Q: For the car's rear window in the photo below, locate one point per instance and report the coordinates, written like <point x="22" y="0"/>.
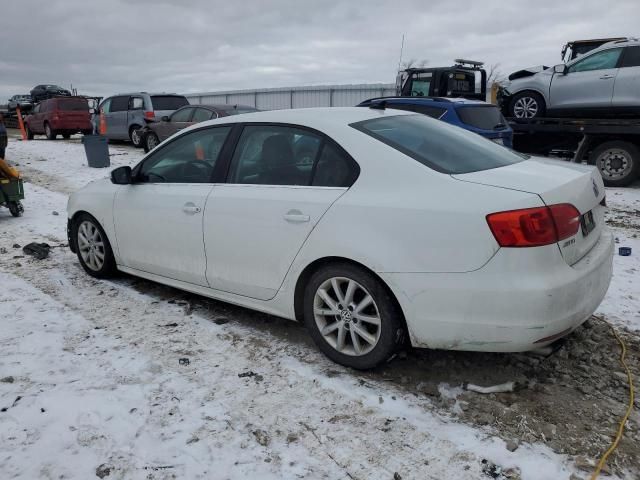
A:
<point x="442" y="147"/>
<point x="73" y="104"/>
<point x="484" y="117"/>
<point x="168" y="102"/>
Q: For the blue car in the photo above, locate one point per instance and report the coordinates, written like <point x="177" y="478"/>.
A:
<point x="479" y="117"/>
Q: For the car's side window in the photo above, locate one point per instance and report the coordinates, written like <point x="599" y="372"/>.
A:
<point x="274" y="155"/>
<point x="191" y="158"/>
<point x="598" y="61"/>
<point x="201" y="115"/>
<point x="334" y="168"/>
<point x="182" y="115"/>
<point x="106" y="106"/>
<point x="119" y="104"/>
<point x="631" y="57"/>
<point x="136" y="103"/>
<point x="36" y="109"/>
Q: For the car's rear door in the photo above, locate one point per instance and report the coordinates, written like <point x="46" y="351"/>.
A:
<point x="158" y="219"/>
<point x="588" y="82"/>
<point x="626" y="92"/>
<point x="255" y="224"/>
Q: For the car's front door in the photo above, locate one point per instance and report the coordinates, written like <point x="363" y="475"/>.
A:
<point x="626" y="92"/>
<point x="281" y="181"/>
<point x="177" y="121"/>
<point x="35" y="119"/>
<point x="158" y="219"/>
<point x="116" y="118"/>
<point x="587" y="83"/>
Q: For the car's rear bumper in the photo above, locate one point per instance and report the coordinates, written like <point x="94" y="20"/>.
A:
<point x="520" y="300"/>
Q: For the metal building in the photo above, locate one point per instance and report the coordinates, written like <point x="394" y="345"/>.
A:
<point x="296" y="97"/>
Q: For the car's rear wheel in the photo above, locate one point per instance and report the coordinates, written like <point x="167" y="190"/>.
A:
<point x="527" y="105"/>
<point x="151" y="141"/>
<point x="135" y="134"/>
<point x="351" y="316"/>
<point x="49" y="132"/>
<point x="617" y="161"/>
<point x="93" y="247"/>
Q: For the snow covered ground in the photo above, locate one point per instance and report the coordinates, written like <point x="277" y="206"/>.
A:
<point x="135" y="380"/>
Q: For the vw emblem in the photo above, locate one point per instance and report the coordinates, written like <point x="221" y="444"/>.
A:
<point x="596" y="192"/>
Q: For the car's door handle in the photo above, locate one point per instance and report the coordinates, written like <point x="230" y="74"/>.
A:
<point x="606" y="77"/>
<point x="191" y="208"/>
<point x="296" y="216"/>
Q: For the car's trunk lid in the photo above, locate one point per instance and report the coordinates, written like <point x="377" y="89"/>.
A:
<point x="555" y="182"/>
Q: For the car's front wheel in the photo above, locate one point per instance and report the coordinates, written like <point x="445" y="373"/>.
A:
<point x="93" y="247"/>
<point x="527" y="105"/>
<point x="351" y="316"/>
<point x="50" y="132"/>
<point x="151" y="141"/>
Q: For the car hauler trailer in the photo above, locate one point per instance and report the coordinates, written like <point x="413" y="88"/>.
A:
<point x="613" y="145"/>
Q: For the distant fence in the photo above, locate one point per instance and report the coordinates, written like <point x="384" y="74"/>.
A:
<point x="296" y="97"/>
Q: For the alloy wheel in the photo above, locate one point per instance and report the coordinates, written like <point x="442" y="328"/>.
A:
<point x="135" y="137"/>
<point x="614" y="163"/>
<point x="525" y="107"/>
<point x="91" y="245"/>
<point x="347" y="316"/>
<point x="152" y="141"/>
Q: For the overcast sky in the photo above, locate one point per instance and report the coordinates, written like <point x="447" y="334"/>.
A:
<point x="109" y="46"/>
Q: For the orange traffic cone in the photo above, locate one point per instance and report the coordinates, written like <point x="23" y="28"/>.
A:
<point x="103" y="124"/>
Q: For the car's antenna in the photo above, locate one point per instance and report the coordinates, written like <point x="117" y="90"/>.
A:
<point x="401" y="49"/>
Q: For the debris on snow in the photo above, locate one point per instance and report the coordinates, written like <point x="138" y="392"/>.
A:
<point x="502" y="388"/>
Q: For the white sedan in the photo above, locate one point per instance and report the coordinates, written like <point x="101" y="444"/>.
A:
<point x="371" y="226"/>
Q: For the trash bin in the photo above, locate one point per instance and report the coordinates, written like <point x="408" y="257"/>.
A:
<point x="97" y="149"/>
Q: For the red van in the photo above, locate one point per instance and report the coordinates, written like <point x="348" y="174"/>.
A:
<point x="59" y="116"/>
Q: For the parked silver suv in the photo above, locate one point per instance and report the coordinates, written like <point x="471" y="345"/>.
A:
<point x="600" y="83"/>
<point x="126" y="114"/>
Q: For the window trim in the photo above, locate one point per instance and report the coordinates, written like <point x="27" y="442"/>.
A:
<point x="135" y="172"/>
<point x="324" y="138"/>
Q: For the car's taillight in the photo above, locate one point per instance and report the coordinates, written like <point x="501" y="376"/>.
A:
<point x="149" y="115"/>
<point x="534" y="227"/>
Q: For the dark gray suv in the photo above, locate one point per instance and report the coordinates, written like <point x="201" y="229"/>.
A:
<point x="127" y="113"/>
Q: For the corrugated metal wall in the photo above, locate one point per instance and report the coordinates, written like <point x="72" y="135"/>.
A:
<point x="296" y="97"/>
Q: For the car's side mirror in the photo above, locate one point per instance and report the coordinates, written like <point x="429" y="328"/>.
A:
<point x="560" y="68"/>
<point x="121" y="176"/>
<point x="165" y="118"/>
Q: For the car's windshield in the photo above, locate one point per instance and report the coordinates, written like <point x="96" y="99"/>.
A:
<point x="168" y="102"/>
<point x="442" y="147"/>
<point x="486" y="117"/>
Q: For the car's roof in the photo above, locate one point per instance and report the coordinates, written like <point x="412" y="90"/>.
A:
<point x="428" y="100"/>
<point x="146" y="93"/>
<point x="220" y="106"/>
<point x="325" y="118"/>
<point x="628" y="42"/>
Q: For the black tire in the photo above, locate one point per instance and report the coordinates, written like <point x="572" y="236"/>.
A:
<point x="29" y="132"/>
<point x="108" y="267"/>
<point x="522" y="105"/>
<point x="150" y="137"/>
<point x="391" y="327"/>
<point x="618" y="162"/>
<point x="66" y="136"/>
<point x="50" y="132"/>
<point x="15" y="208"/>
<point x="136" y="139"/>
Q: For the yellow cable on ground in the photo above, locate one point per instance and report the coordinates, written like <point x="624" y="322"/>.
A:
<point x="613" y="446"/>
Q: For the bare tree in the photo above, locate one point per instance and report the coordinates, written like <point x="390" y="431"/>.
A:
<point x="413" y="63"/>
<point x="494" y="74"/>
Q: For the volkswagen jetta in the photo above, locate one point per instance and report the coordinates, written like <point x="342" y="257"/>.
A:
<point x="369" y="225"/>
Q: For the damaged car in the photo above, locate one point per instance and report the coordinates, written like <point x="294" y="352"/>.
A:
<point x="601" y="83"/>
